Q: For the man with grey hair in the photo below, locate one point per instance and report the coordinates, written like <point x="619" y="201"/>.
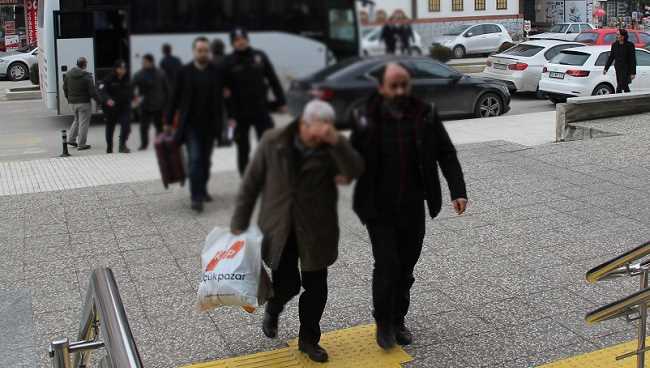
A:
<point x="79" y="89"/>
<point x="296" y="170"/>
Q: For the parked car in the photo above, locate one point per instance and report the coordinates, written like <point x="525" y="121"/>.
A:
<point x="607" y="36"/>
<point x="579" y="72"/>
<point x="15" y="65"/>
<point x="520" y="67"/>
<point x="474" y="39"/>
<point x="563" y="32"/>
<point x="372" y="45"/>
<point x="346" y="86"/>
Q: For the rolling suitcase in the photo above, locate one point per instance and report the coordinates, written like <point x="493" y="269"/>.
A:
<point x="170" y="160"/>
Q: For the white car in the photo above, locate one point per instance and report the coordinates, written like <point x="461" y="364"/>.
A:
<point x="579" y="72"/>
<point x="15" y="65"/>
<point x="520" y="67"/>
<point x="563" y="31"/>
<point x="474" y="39"/>
<point x="373" y="46"/>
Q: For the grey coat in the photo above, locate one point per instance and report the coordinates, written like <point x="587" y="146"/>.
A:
<point x="300" y="198"/>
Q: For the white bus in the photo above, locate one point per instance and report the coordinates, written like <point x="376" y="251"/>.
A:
<point x="300" y="36"/>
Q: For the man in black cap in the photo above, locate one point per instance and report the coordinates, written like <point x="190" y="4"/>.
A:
<point x="117" y="95"/>
<point x="249" y="73"/>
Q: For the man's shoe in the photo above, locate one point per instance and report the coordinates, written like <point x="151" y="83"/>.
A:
<point x="142" y="148"/>
<point x="208" y="198"/>
<point x="314" y="351"/>
<point x="270" y="326"/>
<point x="109" y="150"/>
<point x="124" y="149"/>
<point x="72" y="144"/>
<point x="403" y="335"/>
<point x="385" y="336"/>
<point x="197" y="206"/>
<point x="83" y="147"/>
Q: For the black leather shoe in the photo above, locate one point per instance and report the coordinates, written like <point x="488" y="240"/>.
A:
<point x="314" y="351"/>
<point x="197" y="206"/>
<point x="84" y="147"/>
<point x="385" y="336"/>
<point x="73" y="144"/>
<point x="403" y="335"/>
<point x="109" y="149"/>
<point x="270" y="326"/>
<point x="124" y="149"/>
<point x="208" y="198"/>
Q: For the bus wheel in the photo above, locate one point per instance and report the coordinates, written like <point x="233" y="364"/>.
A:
<point x="17" y="71"/>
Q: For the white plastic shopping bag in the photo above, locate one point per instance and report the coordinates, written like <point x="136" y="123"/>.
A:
<point x="232" y="270"/>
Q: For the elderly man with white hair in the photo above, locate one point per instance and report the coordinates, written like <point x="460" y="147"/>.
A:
<point x="296" y="169"/>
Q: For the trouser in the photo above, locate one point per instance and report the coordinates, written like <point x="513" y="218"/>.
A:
<point x="82" y="113"/>
<point x="199" y="151"/>
<point x="146" y="119"/>
<point x="390" y="49"/>
<point x="242" y="137"/>
<point x="396" y="247"/>
<point x="287" y="280"/>
<point x="406" y="48"/>
<point x="123" y="118"/>
<point x="623" y="81"/>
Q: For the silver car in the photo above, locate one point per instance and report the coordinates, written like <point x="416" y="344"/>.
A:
<point x="15" y="65"/>
<point x="470" y="39"/>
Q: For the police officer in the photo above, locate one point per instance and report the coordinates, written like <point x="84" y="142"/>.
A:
<point x="249" y="73"/>
<point x="117" y="95"/>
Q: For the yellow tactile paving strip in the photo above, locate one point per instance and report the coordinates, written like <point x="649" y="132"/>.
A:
<point x="350" y="348"/>
<point x="605" y="358"/>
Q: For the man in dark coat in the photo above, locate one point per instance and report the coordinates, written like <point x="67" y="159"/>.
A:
<point x="170" y="64"/>
<point x="152" y="86"/>
<point x="403" y="142"/>
<point x="249" y="74"/>
<point x="388" y="36"/>
<point x="198" y="97"/>
<point x="295" y="170"/>
<point x="116" y="94"/>
<point x="623" y="56"/>
<point x="406" y="36"/>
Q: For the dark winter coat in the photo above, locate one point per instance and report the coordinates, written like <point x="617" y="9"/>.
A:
<point x="434" y="149"/>
<point x="296" y="197"/>
<point x="78" y="86"/>
<point x="118" y="90"/>
<point x="153" y="87"/>
<point x="249" y="74"/>
<point x="623" y="56"/>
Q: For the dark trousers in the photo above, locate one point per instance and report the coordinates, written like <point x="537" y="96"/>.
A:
<point x="390" y="48"/>
<point x="396" y="247"/>
<point x="406" y="47"/>
<point x="199" y="151"/>
<point x="287" y="280"/>
<point x="146" y="119"/>
<point x="123" y="118"/>
<point x="623" y="81"/>
<point x="242" y="137"/>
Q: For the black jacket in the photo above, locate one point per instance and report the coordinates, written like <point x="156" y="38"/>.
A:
<point x="79" y="86"/>
<point x="623" y="56"/>
<point x="118" y="90"/>
<point x="184" y="96"/>
<point x="434" y="148"/>
<point x="171" y="65"/>
<point x="249" y="74"/>
<point x="153" y="87"/>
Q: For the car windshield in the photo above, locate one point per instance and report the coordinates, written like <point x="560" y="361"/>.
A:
<point x="559" y="28"/>
<point x="523" y="50"/>
<point x="587" y="37"/>
<point x="456" y="30"/>
<point x="332" y="69"/>
<point x="573" y="58"/>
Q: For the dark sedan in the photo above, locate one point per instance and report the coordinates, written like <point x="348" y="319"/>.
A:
<point x="347" y="84"/>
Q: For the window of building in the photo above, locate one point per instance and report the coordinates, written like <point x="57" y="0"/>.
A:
<point x="502" y="4"/>
<point x="479" y="4"/>
<point x="434" y="5"/>
<point x="457" y="5"/>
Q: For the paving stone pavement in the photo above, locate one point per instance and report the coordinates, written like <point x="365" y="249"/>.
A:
<point x="502" y="286"/>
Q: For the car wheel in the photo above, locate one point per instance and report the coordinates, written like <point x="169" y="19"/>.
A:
<point x="489" y="105"/>
<point x="459" y="52"/>
<point x="602" y="89"/>
<point x="18" y="71"/>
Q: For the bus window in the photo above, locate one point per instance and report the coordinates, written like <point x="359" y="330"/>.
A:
<point x="75" y="25"/>
<point x="342" y="24"/>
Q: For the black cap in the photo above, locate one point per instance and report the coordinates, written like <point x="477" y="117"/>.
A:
<point x="119" y="63"/>
<point x="238" y="32"/>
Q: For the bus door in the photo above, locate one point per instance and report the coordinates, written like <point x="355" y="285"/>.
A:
<point x="73" y="39"/>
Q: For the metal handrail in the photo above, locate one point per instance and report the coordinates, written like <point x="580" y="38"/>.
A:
<point x="621" y="308"/>
<point x="103" y="315"/>
<point x="621" y="265"/>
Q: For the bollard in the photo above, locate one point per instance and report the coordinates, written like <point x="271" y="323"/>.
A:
<point x="64" y="137"/>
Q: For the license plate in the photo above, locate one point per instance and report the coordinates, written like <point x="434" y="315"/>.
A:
<point x="556" y="75"/>
<point x="500" y="66"/>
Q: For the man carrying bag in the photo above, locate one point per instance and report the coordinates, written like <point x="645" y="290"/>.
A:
<point x="296" y="169"/>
